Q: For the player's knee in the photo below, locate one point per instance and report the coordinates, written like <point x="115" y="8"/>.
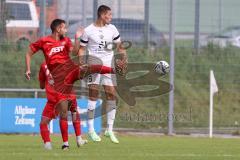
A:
<point x="45" y="120"/>
<point x="43" y="123"/>
<point x="111" y="104"/>
<point x="90" y="114"/>
<point x="93" y="91"/>
<point x="75" y="116"/>
<point x="110" y="95"/>
<point x="64" y="114"/>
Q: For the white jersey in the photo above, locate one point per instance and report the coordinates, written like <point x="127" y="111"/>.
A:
<point x="99" y="41"/>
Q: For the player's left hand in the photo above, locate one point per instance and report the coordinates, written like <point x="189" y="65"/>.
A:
<point x="28" y="75"/>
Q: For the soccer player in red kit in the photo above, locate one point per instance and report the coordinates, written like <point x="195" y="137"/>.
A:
<point x="50" y="111"/>
<point x="56" y="48"/>
<point x="46" y="81"/>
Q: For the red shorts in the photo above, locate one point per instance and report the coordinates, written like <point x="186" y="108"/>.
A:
<point x="51" y="112"/>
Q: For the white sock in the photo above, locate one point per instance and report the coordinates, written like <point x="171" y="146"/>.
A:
<point x="78" y="138"/>
<point x="111" y="112"/>
<point x="110" y="127"/>
<point x="91" y="108"/>
<point x="66" y="143"/>
<point x="48" y="143"/>
<point x="110" y="119"/>
<point x="91" y="125"/>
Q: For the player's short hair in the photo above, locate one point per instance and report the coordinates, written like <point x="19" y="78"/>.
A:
<point x="55" y="23"/>
<point x="102" y="9"/>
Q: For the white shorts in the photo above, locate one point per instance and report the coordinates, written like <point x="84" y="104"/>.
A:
<point x="102" y="79"/>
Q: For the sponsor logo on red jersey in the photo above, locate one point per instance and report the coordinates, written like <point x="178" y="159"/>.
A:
<point x="56" y="50"/>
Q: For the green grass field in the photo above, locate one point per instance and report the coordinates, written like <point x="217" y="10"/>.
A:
<point x="28" y="147"/>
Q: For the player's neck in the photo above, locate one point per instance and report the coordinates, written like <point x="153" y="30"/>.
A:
<point x="99" y="23"/>
<point x="55" y="36"/>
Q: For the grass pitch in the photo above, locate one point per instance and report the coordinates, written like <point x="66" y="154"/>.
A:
<point x="26" y="147"/>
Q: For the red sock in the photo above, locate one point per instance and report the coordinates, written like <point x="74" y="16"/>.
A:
<point x="64" y="129"/>
<point x="76" y="125"/>
<point x="45" y="133"/>
<point x="77" y="128"/>
<point x="100" y="69"/>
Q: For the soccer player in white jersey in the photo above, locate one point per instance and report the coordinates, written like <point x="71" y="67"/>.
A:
<point x="97" y="37"/>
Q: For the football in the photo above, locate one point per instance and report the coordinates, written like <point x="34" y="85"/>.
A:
<point x="162" y="67"/>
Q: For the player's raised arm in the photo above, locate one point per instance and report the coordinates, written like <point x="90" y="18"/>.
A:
<point x="83" y="44"/>
<point x="76" y="46"/>
<point x="81" y="53"/>
<point x="28" y="63"/>
<point x="33" y="48"/>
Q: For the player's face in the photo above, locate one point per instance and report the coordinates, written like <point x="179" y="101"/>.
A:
<point x="107" y="17"/>
<point x="62" y="29"/>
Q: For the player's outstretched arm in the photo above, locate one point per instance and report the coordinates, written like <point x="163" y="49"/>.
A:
<point x="28" y="63"/>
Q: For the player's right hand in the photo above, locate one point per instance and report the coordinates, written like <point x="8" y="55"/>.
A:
<point x="28" y="75"/>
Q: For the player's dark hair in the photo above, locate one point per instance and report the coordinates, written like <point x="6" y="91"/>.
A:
<point x="102" y="9"/>
<point x="55" y="23"/>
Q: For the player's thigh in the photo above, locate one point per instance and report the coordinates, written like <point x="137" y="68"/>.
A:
<point x="62" y="107"/>
<point x="94" y="79"/>
<point x="109" y="80"/>
<point x="110" y="92"/>
<point x="93" y="91"/>
<point x="45" y="120"/>
<point x="73" y="104"/>
<point x="93" y="82"/>
<point x="109" y="84"/>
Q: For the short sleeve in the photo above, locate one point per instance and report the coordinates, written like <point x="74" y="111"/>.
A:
<point x="116" y="35"/>
<point x="84" y="39"/>
<point x="36" y="46"/>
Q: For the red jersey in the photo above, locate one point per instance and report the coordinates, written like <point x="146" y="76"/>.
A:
<point x="46" y="77"/>
<point x="64" y="91"/>
<point x="55" y="52"/>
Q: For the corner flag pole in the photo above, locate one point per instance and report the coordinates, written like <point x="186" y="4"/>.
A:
<point x="213" y="89"/>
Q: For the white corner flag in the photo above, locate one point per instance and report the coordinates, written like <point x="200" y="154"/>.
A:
<point x="213" y="90"/>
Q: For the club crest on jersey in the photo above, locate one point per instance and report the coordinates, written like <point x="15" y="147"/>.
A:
<point x="56" y="50"/>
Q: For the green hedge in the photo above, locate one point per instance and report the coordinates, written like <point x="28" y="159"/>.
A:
<point x="191" y="86"/>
